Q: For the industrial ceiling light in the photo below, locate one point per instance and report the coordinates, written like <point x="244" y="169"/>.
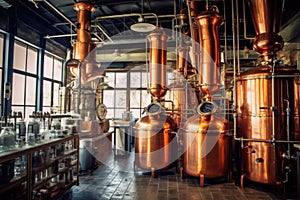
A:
<point x="142" y="26"/>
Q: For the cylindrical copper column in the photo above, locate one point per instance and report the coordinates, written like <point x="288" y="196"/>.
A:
<point x="83" y="47"/>
<point x="158" y="63"/>
<point x="209" y="22"/>
<point x="266" y="16"/>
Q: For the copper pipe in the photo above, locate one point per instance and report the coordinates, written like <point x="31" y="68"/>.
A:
<point x="158" y="63"/>
<point x="209" y="22"/>
<point x="266" y="16"/>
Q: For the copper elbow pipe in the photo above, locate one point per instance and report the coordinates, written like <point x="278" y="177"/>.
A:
<point x="158" y="63"/>
<point x="266" y="16"/>
<point x="208" y="23"/>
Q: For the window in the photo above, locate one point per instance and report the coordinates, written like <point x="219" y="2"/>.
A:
<point x="1" y="64"/>
<point x="130" y="91"/>
<point x="51" y="82"/>
<point x="24" y="79"/>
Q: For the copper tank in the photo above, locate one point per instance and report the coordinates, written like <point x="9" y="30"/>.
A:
<point x="263" y="162"/>
<point x="205" y="142"/>
<point x="155" y="141"/>
<point x="206" y="146"/>
<point x="158" y="63"/>
<point x="262" y="101"/>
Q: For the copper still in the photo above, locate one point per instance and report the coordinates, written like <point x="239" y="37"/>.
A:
<point x="263" y="161"/>
<point x="83" y="47"/>
<point x="205" y="142"/>
<point x="268" y="99"/>
<point x="155" y="139"/>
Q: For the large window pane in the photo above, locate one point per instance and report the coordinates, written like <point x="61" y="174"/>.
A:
<point x="119" y="112"/>
<point x="121" y="80"/>
<point x="30" y="90"/>
<point x="32" y="61"/>
<point x="18" y="89"/>
<point x="1" y="50"/>
<point x="56" y="95"/>
<point x="135" y="98"/>
<point x="145" y="79"/>
<point x="135" y="79"/>
<point x="46" y="93"/>
<point x="108" y="98"/>
<point x="121" y="98"/>
<point x="19" y="57"/>
<point x="48" y="66"/>
<point x="136" y="113"/>
<point x="110" y="79"/>
<point x="146" y="98"/>
<point x="28" y="111"/>
<point x="57" y="71"/>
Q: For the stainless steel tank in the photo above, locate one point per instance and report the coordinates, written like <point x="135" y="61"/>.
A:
<point x="263" y="161"/>
<point x="155" y="139"/>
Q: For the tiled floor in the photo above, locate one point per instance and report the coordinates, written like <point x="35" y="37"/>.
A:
<point x="115" y="180"/>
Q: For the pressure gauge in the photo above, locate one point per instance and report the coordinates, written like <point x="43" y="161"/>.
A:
<point x="154" y="109"/>
<point x="206" y="108"/>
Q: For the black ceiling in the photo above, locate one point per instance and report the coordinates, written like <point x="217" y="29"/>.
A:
<point x="44" y="17"/>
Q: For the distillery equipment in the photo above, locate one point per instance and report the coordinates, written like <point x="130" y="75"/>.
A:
<point x="267" y="99"/>
<point x="205" y="139"/>
<point x="155" y="141"/>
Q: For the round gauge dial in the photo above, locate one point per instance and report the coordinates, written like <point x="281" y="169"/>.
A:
<point x="154" y="108"/>
<point x="206" y="108"/>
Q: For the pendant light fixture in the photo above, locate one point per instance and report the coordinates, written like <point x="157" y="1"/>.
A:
<point x="142" y="26"/>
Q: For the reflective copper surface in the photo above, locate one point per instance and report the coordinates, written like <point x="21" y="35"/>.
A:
<point x="157" y="63"/>
<point x="155" y="142"/>
<point x="83" y="45"/>
<point x="209" y="22"/>
<point x="206" y="146"/>
<point x="266" y="16"/>
<point x="262" y="161"/>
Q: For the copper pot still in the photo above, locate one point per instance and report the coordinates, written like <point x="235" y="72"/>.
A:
<point x="206" y="143"/>
<point x="155" y="139"/>
<point x="261" y="161"/>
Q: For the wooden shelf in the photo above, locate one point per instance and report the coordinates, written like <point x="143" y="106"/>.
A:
<point x="31" y="186"/>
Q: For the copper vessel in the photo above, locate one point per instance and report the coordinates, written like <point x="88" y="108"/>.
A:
<point x="205" y="143"/>
<point x="209" y="22"/>
<point x="155" y="141"/>
<point x="158" y="63"/>
<point x="263" y="162"/>
<point x="206" y="146"/>
<point x="267" y="101"/>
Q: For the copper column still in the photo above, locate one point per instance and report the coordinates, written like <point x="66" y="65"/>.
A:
<point x="268" y="99"/>
<point x="155" y="141"/>
<point x="83" y="47"/>
<point x="205" y="141"/>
